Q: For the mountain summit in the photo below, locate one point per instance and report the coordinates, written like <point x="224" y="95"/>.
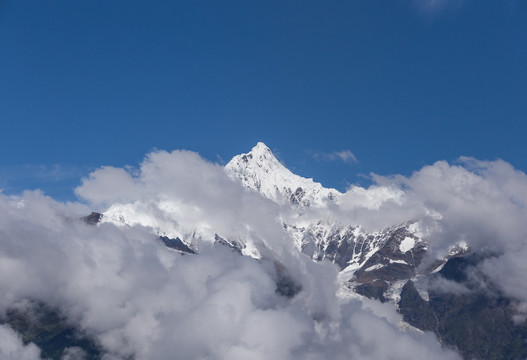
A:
<point x="261" y="171"/>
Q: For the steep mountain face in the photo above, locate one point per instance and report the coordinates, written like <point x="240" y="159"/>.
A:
<point x="370" y="262"/>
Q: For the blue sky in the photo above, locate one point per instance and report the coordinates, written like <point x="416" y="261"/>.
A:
<point x="400" y="84"/>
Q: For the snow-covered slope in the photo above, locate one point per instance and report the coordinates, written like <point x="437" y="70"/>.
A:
<point x="259" y="170"/>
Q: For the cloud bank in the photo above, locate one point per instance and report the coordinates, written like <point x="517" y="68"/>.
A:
<point x="138" y="299"/>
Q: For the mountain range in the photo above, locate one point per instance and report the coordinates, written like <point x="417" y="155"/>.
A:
<point x="392" y="265"/>
<point x="385" y="265"/>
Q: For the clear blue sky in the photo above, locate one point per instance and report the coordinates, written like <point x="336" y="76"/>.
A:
<point x="400" y="83"/>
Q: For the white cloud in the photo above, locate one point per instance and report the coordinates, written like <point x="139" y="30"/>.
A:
<point x="119" y="186"/>
<point x="345" y="156"/>
<point x="372" y="198"/>
<point x="12" y="347"/>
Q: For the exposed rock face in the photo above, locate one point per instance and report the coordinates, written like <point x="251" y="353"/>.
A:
<point x="390" y="264"/>
<point x="177" y="244"/>
<point x="378" y="259"/>
<point x="93" y="219"/>
<point x="415" y="310"/>
<point x="233" y="245"/>
<point x="285" y="284"/>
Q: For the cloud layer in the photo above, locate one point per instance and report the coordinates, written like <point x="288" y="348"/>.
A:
<point x="139" y="299"/>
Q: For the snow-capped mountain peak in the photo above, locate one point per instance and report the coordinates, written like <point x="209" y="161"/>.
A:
<point x="261" y="171"/>
<point x="368" y="260"/>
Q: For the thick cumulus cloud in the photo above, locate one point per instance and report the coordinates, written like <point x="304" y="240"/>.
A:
<point x="183" y="189"/>
<point x="481" y="203"/>
<point x="140" y="300"/>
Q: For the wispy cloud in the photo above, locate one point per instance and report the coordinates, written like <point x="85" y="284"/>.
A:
<point x="345" y="156"/>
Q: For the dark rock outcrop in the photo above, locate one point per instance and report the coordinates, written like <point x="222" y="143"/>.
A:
<point x="177" y="244"/>
<point x="93" y="219"/>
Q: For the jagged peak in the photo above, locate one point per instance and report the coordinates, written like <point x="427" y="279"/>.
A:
<point x="261" y="153"/>
<point x="260" y="170"/>
<point x="260" y="156"/>
<point x="261" y="148"/>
